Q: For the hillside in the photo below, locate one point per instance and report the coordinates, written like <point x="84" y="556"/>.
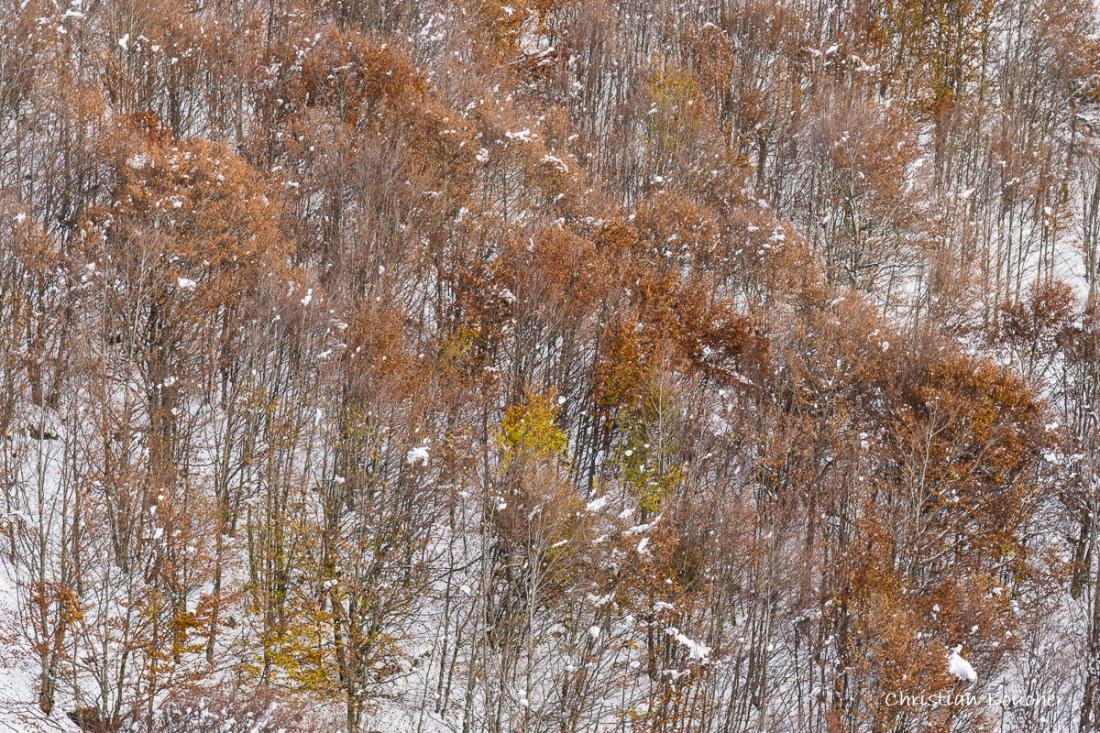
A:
<point x="549" y="366"/>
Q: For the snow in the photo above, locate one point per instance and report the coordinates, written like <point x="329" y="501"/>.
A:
<point x="641" y="528"/>
<point x="18" y="665"/>
<point x="186" y="283"/>
<point x="556" y="162"/>
<point x="597" y="504"/>
<point x="960" y="668"/>
<point x="696" y="651"/>
<point x="417" y="455"/>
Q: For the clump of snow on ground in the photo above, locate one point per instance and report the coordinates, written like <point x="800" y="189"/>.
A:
<point x="960" y="668"/>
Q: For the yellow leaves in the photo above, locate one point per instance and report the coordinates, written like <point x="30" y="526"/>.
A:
<point x="677" y="110"/>
<point x="647" y="456"/>
<point x="301" y="650"/>
<point x="650" y="488"/>
<point x="539" y="516"/>
<point x="530" y="430"/>
<point x="456" y="346"/>
<point x="675" y="95"/>
<point x="183" y="625"/>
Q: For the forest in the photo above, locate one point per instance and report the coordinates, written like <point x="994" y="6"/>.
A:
<point x="549" y="366"/>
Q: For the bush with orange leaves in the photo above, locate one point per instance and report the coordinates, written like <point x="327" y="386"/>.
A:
<point x="190" y="221"/>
